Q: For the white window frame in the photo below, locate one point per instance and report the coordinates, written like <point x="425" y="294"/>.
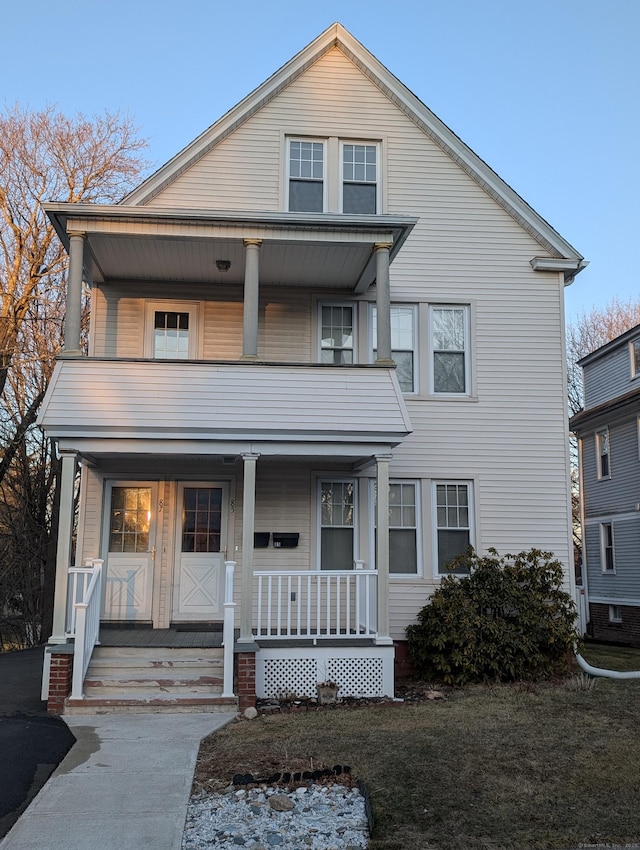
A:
<point x="615" y="613"/>
<point x="466" y="309"/>
<point x="354" y="329"/>
<point x="605" y="546"/>
<point x="415" y="483"/>
<point x="634" y="358"/>
<point x="602" y="441"/>
<point x="337" y="479"/>
<point x="434" y="513"/>
<point x="325" y="175"/>
<point x="190" y="307"/>
<point x="342" y="181"/>
<point x="414" y="349"/>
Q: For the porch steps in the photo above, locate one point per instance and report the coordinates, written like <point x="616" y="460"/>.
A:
<point x="153" y="679"/>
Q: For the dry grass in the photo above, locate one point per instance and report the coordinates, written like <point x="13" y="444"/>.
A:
<point x="503" y="767"/>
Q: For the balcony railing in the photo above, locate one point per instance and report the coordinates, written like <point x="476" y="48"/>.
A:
<point x="295" y="604"/>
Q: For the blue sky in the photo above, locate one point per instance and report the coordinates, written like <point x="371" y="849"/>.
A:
<point x="546" y="92"/>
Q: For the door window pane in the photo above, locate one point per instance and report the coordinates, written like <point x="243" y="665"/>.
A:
<point x="130" y="519"/>
<point x="201" y="519"/>
<point x="170" y="335"/>
<point x="337" y="525"/>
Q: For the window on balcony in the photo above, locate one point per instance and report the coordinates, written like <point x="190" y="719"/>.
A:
<point x="171" y="330"/>
<point x="403" y="336"/>
<point x="337" y="334"/>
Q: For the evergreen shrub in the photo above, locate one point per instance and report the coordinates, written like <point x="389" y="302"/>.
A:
<point x="508" y="619"/>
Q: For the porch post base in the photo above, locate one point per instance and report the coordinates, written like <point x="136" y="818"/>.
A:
<point x="60" y="677"/>
<point x="383" y="641"/>
<point x="246" y="680"/>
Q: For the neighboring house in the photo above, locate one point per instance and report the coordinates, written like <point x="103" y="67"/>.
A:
<point x="326" y="296"/>
<point x="608" y="431"/>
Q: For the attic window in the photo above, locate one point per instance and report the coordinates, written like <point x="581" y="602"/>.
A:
<point x="306" y="176"/>
<point x="359" y="179"/>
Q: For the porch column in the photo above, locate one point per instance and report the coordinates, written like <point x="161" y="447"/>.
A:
<point x="248" y="523"/>
<point x="251" y="299"/>
<point x="63" y="554"/>
<point x="383" y="304"/>
<point x="73" y="313"/>
<point x="382" y="547"/>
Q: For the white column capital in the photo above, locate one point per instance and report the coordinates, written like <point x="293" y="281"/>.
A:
<point x="249" y="242"/>
<point x="382" y="246"/>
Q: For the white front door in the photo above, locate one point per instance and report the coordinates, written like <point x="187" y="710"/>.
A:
<point x="130" y="557"/>
<point x="199" y="572"/>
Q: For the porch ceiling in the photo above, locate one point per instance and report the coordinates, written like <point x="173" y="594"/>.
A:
<point x="298" y="249"/>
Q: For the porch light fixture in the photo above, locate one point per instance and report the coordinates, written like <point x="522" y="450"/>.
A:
<point x="223" y="265"/>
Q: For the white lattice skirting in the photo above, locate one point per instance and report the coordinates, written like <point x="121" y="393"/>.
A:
<point x="366" y="672"/>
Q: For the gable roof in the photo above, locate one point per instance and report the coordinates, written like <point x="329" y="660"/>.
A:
<point x="618" y="341"/>
<point x="563" y="256"/>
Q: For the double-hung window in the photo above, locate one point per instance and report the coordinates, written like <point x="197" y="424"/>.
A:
<point x="449" y="335"/>
<point x="453" y="521"/>
<point x="336" y="333"/>
<point x="359" y="178"/>
<point x="607" y="548"/>
<point x="306" y="176"/>
<point x="602" y="453"/>
<point x="403" y="526"/>
<point x="337" y="523"/>
<point x="403" y="335"/>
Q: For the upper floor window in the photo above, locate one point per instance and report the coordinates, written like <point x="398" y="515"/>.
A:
<point x="171" y="331"/>
<point x="453" y="525"/>
<point x="306" y="176"/>
<point x="602" y="452"/>
<point x="449" y="334"/>
<point x="403" y="320"/>
<point x="336" y="334"/>
<point x="634" y="355"/>
<point x="607" y="548"/>
<point x="359" y="178"/>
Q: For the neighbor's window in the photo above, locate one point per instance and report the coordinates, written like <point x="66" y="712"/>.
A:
<point x="359" y="178"/>
<point x="336" y="334"/>
<point x="634" y="355"/>
<point x="337" y="521"/>
<point x="602" y="450"/>
<point x="306" y="176"/>
<point x="607" y="548"/>
<point x="402" y="343"/>
<point x="615" y="613"/>
<point x="449" y="333"/>
<point x="453" y="521"/>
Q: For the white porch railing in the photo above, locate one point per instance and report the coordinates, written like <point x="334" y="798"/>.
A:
<point x="310" y="603"/>
<point x="228" y="627"/>
<point x="85" y="620"/>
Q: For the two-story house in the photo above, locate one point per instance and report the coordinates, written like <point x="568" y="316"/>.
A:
<point x="608" y="431"/>
<point x="326" y="355"/>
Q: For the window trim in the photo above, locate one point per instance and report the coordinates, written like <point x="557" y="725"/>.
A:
<point x="325" y="176"/>
<point x="169" y="306"/>
<point x="354" y="330"/>
<point x="341" y="180"/>
<point x="337" y="479"/>
<point x="415" y="350"/>
<point x="466" y="308"/>
<point x="415" y="483"/>
<point x="605" y="546"/>
<point x="434" y="518"/>
<point x="634" y="369"/>
<point x="603" y="438"/>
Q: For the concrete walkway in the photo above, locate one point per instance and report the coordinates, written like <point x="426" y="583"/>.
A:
<point x="124" y="785"/>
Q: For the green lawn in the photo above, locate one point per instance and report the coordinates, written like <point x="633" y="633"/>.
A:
<point x="518" y="766"/>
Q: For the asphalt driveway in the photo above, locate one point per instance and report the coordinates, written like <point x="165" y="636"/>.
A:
<point x="32" y="743"/>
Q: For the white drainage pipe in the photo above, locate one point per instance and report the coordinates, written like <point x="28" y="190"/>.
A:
<point x="607" y="674"/>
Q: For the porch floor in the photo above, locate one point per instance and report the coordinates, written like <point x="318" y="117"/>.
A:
<point x="174" y="637"/>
